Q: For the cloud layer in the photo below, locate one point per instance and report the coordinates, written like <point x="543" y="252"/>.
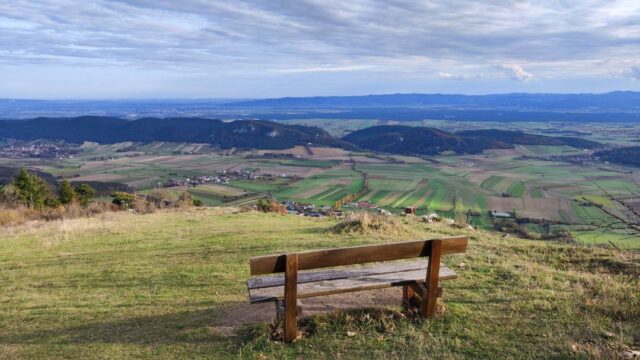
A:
<point x="251" y="46"/>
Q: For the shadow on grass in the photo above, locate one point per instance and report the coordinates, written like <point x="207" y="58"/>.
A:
<point x="181" y="327"/>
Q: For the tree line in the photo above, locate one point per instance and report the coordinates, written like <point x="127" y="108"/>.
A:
<point x="30" y="190"/>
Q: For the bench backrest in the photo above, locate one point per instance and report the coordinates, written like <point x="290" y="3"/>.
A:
<point x="357" y="255"/>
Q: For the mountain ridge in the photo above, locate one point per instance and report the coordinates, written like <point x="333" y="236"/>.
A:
<point x="240" y="133"/>
<point x="251" y="134"/>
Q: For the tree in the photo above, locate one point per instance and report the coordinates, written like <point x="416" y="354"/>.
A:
<point x="85" y="193"/>
<point x="66" y="193"/>
<point x="31" y="190"/>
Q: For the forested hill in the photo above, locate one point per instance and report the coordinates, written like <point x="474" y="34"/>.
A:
<point x="427" y="141"/>
<point x="240" y="133"/>
<point x="624" y="156"/>
<point x="251" y="134"/>
<point x="418" y="140"/>
<point x="521" y="138"/>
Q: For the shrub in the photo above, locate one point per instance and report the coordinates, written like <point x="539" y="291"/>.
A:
<point x="270" y="205"/>
<point x="197" y="202"/>
<point x="123" y="199"/>
<point x="142" y="206"/>
<point x="365" y="223"/>
<point x="184" y="200"/>
<point x="84" y="193"/>
<point x="15" y="215"/>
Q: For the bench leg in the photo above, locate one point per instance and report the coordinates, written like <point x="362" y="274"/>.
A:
<point x="428" y="308"/>
<point x="291" y="298"/>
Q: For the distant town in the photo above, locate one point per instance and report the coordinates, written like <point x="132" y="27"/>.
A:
<point x="42" y="149"/>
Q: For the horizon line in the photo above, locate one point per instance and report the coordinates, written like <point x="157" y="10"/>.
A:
<point x="310" y="96"/>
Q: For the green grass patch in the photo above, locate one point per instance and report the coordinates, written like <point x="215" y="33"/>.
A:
<point x="173" y="285"/>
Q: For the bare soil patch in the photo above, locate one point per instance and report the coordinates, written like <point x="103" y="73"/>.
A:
<point x="238" y="315"/>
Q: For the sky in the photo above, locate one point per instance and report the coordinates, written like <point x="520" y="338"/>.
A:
<point x="139" y="49"/>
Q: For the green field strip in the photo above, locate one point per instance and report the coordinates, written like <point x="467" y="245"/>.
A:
<point x="408" y="198"/>
<point x="537" y="193"/>
<point x="326" y="193"/>
<point x="491" y="182"/>
<point x="253" y="186"/>
<point x="482" y="201"/>
<point x="599" y="237"/>
<point x="379" y="195"/>
<point x="441" y="197"/>
<point x="516" y="189"/>
<point x="207" y="200"/>
<point x="587" y="214"/>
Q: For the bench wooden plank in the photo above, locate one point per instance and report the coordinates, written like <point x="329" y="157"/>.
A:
<point x="311" y="276"/>
<point x="357" y="283"/>
<point x="356" y="255"/>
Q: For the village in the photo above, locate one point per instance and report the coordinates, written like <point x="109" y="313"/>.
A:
<point x="223" y="177"/>
<point x="42" y="149"/>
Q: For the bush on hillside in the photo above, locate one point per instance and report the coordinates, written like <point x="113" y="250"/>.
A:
<point x="271" y="206"/>
<point x="20" y="214"/>
<point x="123" y="199"/>
<point x="366" y="223"/>
<point x="84" y="193"/>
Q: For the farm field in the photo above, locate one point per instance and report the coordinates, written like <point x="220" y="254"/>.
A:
<point x="172" y="284"/>
<point x="463" y="187"/>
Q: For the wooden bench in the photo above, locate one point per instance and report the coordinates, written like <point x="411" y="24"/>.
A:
<point x="418" y="277"/>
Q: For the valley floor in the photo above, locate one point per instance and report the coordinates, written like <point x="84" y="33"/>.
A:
<point x="172" y="285"/>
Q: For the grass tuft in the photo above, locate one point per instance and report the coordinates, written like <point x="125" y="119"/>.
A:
<point x="368" y="223"/>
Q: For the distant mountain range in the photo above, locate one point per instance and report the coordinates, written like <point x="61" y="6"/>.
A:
<point x="613" y="101"/>
<point x="252" y="134"/>
<point x="618" y="106"/>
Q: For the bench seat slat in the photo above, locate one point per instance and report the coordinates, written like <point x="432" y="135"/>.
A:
<point x="311" y="276"/>
<point x="362" y="281"/>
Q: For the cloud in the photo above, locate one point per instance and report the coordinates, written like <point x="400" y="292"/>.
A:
<point x="321" y="69"/>
<point x="279" y="37"/>
<point x="516" y="72"/>
<point x="635" y="72"/>
<point x="444" y="75"/>
<point x="449" y="76"/>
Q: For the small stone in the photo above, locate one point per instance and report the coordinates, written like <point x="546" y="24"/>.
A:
<point x="351" y="333"/>
<point x="631" y="354"/>
<point x="461" y="265"/>
<point x="608" y="334"/>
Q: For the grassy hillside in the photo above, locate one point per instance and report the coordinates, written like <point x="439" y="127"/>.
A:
<point x="172" y="285"/>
